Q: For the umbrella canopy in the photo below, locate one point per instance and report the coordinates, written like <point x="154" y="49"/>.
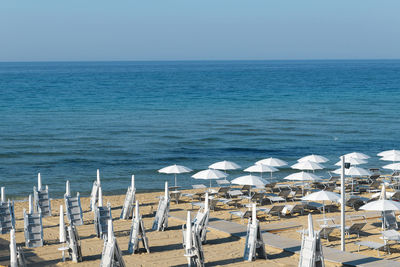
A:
<point x="314" y="158"/>
<point x="356" y="155"/>
<point x="339" y="171"/>
<point x="388" y="194"/>
<point x="352" y="161"/>
<point x="261" y="168"/>
<point x="388" y="153"/>
<point x="209" y="174"/>
<point x="274" y="162"/>
<point x="393" y="157"/>
<point x="224" y="165"/>
<point x="381" y="205"/>
<point x="307" y="166"/>
<point x="357" y="171"/>
<point x="322" y="196"/>
<point x="175" y="169"/>
<point x="302" y="176"/>
<point x="393" y="166"/>
<point x="250" y="180"/>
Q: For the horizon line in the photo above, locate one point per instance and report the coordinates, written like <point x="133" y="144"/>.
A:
<point x="198" y="60"/>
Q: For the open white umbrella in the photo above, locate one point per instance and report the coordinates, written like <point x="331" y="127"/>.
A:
<point x="175" y="169"/>
<point x="382" y="204"/>
<point x="393" y="166"/>
<point x="224" y="165"/>
<point x="352" y="161"/>
<point x="357" y="171"/>
<point x="307" y="166"/>
<point x="322" y="196"/>
<point x="252" y="180"/>
<point x="314" y="158"/>
<point x="261" y="168"/>
<point x="356" y="155"/>
<point x="274" y="162"/>
<point x="303" y="176"/>
<point x="393" y="157"/>
<point x="209" y="174"/>
<point x="389" y="152"/>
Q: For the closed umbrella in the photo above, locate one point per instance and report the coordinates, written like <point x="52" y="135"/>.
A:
<point x="261" y="168"/>
<point x="209" y="174"/>
<point x="322" y="196"/>
<point x="314" y="158"/>
<point x="274" y="162"/>
<point x="175" y="169"/>
<point x="357" y="155"/>
<point x="388" y="153"/>
<point x="307" y="166"/>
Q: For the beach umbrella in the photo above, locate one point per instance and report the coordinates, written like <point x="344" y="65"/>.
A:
<point x="307" y="166"/>
<point x="379" y="194"/>
<point x="339" y="171"/>
<point x="393" y="166"/>
<point x="352" y="161"/>
<point x="314" y="158"/>
<point x="251" y="180"/>
<point x="389" y="152"/>
<point x="392" y="157"/>
<point x="209" y="174"/>
<point x="322" y="196"/>
<point x="382" y="204"/>
<point x="175" y="169"/>
<point x="357" y="171"/>
<point x="261" y="168"/>
<point x="224" y="165"/>
<point x="303" y="176"/>
<point x="356" y="155"/>
<point x="274" y="162"/>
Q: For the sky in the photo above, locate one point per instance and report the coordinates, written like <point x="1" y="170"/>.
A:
<point x="96" y="30"/>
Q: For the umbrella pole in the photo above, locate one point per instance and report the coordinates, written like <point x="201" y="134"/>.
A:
<point x="323" y="207"/>
<point x="175" y="179"/>
<point x="210" y="183"/>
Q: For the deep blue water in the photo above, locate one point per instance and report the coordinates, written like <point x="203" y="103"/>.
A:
<point x="68" y="119"/>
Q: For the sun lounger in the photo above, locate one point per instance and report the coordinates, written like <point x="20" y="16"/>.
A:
<point x="389" y="220"/>
<point x="175" y="195"/>
<point x="274" y="210"/>
<point x="326" y="231"/>
<point x="369" y="244"/>
<point x="293" y="209"/>
<point x="127" y="207"/>
<point x="33" y="229"/>
<point x="390" y="235"/>
<point x="241" y="214"/>
<point x="314" y="206"/>
<point x="74" y="244"/>
<point x="42" y="201"/>
<point x="234" y="193"/>
<point x="7" y="218"/>
<point x="74" y="209"/>
<point x="222" y="191"/>
<point x="212" y="203"/>
<point x="355" y="228"/>
<point x="102" y="216"/>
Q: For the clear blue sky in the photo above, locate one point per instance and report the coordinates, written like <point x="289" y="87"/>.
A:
<point x="47" y="30"/>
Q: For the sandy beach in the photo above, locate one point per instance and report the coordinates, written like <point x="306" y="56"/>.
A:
<point x="166" y="247"/>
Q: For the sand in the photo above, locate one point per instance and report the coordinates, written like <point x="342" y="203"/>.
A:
<point x="166" y="247"/>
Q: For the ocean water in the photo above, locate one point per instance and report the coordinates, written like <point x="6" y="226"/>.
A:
<point x="66" y="120"/>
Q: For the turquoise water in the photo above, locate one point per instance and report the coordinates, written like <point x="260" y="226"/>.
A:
<point x="68" y="119"/>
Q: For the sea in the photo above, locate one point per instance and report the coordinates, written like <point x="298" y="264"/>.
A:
<point x="68" y="119"/>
